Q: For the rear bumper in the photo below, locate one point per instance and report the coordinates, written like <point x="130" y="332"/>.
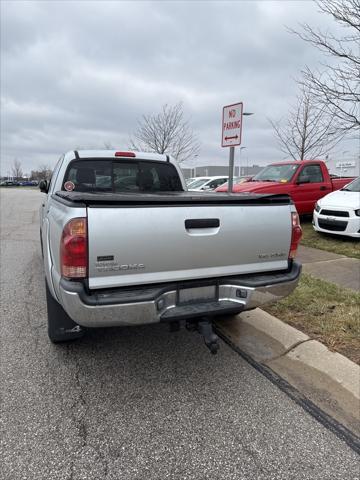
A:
<point x="160" y="303"/>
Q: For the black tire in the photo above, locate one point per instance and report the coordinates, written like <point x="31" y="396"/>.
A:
<point x="61" y="328"/>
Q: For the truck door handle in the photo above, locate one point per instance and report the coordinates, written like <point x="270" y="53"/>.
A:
<point x="323" y="188"/>
<point x="202" y="223"/>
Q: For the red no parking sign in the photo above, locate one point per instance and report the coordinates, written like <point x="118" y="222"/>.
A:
<point x="231" y="125"/>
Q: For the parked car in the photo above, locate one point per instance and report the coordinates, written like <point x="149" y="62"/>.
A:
<point x="9" y="183"/>
<point x="198" y="181"/>
<point x="339" y="212"/>
<point x="27" y="183"/>
<point x="207" y="183"/>
<point x="160" y="253"/>
<point x="306" y="182"/>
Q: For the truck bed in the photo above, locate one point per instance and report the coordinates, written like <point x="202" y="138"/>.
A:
<point x="338" y="183"/>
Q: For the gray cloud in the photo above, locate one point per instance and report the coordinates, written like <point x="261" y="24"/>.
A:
<point x="81" y="73"/>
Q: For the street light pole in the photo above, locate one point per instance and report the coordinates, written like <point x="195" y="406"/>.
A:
<point x="241" y="149"/>
<point x="195" y="157"/>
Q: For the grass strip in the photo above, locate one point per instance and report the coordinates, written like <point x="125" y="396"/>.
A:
<point x="331" y="243"/>
<point x="325" y="312"/>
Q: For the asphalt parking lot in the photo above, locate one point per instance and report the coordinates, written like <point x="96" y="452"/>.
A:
<point x="137" y="403"/>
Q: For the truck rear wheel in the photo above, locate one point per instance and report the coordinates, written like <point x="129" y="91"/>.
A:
<point x="61" y="327"/>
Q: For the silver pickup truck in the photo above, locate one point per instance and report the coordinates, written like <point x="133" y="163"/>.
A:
<point x="124" y="243"/>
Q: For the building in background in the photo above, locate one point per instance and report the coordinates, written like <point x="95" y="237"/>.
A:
<point x="213" y="170"/>
<point x="344" y="164"/>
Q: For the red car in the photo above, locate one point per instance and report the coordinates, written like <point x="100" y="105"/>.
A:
<point x="305" y="181"/>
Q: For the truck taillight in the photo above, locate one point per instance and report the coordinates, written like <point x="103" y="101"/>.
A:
<point x="296" y="234"/>
<point x="73" y="249"/>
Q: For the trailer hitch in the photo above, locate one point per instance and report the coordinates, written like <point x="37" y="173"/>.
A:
<point x="204" y="327"/>
<point x="211" y="340"/>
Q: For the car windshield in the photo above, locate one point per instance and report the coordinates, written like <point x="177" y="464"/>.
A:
<point x="276" y="173"/>
<point x="354" y="186"/>
<point x="198" y="183"/>
<point x="116" y="176"/>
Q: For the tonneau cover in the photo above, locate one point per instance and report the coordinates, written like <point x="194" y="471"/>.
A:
<point x="166" y="198"/>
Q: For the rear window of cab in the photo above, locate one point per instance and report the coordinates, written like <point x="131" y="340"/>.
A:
<point x="117" y="176"/>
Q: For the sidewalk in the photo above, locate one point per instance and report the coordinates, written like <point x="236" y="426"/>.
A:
<point x="339" y="269"/>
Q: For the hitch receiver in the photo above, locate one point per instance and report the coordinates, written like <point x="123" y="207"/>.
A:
<point x="210" y="338"/>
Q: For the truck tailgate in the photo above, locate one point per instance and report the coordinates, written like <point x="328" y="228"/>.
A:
<point x="145" y="244"/>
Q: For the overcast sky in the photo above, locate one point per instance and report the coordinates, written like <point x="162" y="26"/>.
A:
<point x="78" y="74"/>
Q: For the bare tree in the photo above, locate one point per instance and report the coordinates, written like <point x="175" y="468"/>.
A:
<point x="337" y="85"/>
<point x="308" y="131"/>
<point x="16" y="169"/>
<point x="166" y="132"/>
<point x="43" y="173"/>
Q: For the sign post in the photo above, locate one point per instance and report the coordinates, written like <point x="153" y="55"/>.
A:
<point x="231" y="134"/>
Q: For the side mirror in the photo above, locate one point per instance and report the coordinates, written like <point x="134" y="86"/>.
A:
<point x="304" y="179"/>
<point x="43" y="186"/>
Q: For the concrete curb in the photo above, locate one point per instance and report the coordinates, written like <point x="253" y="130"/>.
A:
<point x="328" y="379"/>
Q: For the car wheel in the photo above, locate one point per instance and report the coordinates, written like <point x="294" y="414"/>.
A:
<point x="61" y="328"/>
